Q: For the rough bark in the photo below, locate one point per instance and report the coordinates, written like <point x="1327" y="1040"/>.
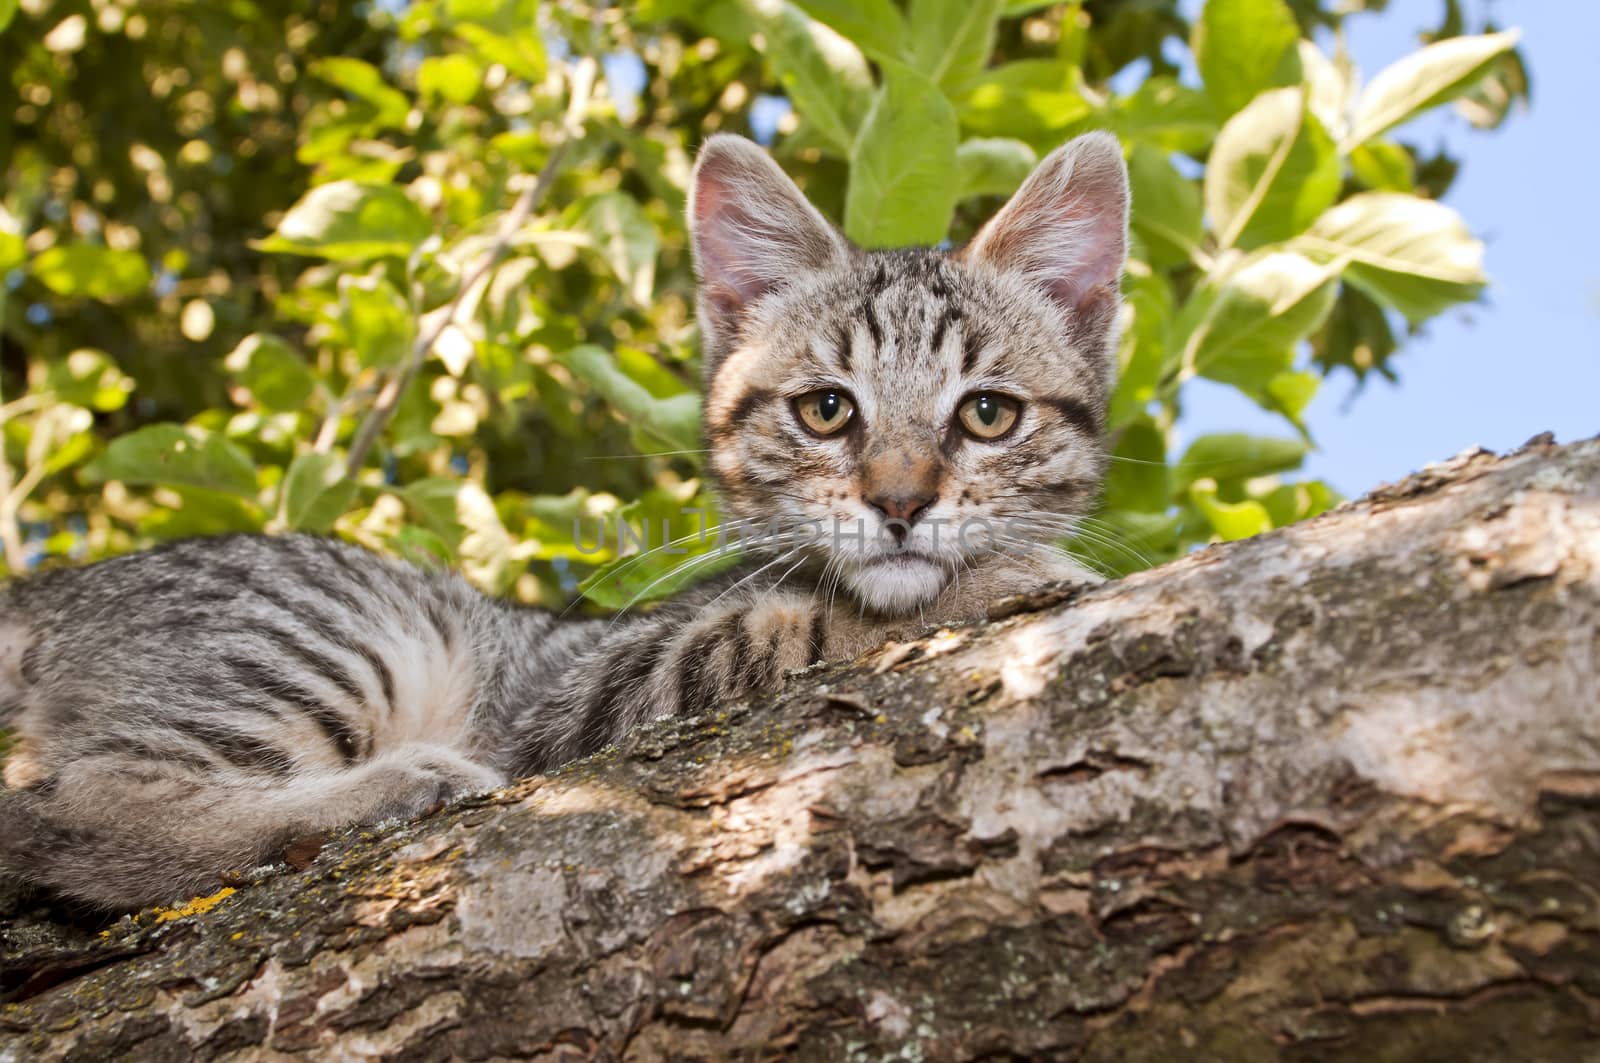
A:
<point x="1330" y="793"/>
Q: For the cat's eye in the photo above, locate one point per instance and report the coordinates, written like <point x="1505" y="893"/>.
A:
<point x="987" y="414"/>
<point x="824" y="412"/>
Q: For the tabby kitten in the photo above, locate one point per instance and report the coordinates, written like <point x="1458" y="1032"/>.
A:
<point x="189" y="709"/>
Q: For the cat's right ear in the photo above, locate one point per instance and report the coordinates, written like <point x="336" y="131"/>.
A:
<point x="753" y="231"/>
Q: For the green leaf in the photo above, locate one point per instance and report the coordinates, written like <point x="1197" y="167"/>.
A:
<point x="91" y="271"/>
<point x="823" y="74"/>
<point x="951" y="39"/>
<point x="1241" y="329"/>
<point x="1244" y="47"/>
<point x="432" y="502"/>
<point x="1423" y="80"/>
<point x="659" y="570"/>
<point x="201" y="512"/>
<point x="13" y="252"/>
<point x="504" y="32"/>
<point x="1165" y="114"/>
<point x="1384" y="166"/>
<point x="377" y="322"/>
<point x="875" y="25"/>
<point x="1290" y="393"/>
<point x="88" y="377"/>
<point x="673" y="421"/>
<point x="421" y="547"/>
<point x="349" y="221"/>
<point x="275" y="374"/>
<point x="1409" y="253"/>
<point x="1299" y="501"/>
<point x="1230" y="520"/>
<point x="1272" y="172"/>
<point x="8" y="11"/>
<point x="627" y="241"/>
<point x="1138" y="476"/>
<point x="365" y="82"/>
<point x="176" y="455"/>
<point x="1358" y="336"/>
<point x="1166" y="207"/>
<point x="903" y="167"/>
<point x="316" y="492"/>
<point x="1125" y="540"/>
<point x="456" y="77"/>
<point x="1142" y="352"/>
<point x="1032" y="98"/>
<point x="992" y="166"/>
<point x="1237" y="456"/>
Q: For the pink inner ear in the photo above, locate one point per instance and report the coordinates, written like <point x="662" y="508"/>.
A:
<point x="1066" y="229"/>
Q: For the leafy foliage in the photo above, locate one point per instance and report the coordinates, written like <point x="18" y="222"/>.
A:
<point x="417" y="275"/>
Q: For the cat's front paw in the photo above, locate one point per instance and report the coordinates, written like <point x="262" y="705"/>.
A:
<point x="1007" y="577"/>
<point x="748" y="649"/>
<point x="417" y="779"/>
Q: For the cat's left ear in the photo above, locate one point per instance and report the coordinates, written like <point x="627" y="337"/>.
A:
<point x="753" y="232"/>
<point x="1066" y="229"/>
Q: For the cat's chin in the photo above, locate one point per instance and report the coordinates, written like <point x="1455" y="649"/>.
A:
<point x="895" y="586"/>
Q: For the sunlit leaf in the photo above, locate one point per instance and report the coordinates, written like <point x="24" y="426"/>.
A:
<point x="456" y="77"/>
<point x="13" y="252"/>
<point x="1384" y="166"/>
<point x="348" y="221"/>
<point x="1242" y="329"/>
<point x="1031" y="99"/>
<point x="1230" y="520"/>
<point x="365" y="82"/>
<point x="91" y="271"/>
<point x="992" y="166"/>
<point x="88" y="377"/>
<point x="1423" y="80"/>
<point x="1272" y="172"/>
<point x="1410" y="253"/>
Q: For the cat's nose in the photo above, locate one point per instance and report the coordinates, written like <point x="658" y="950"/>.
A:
<point x="905" y="508"/>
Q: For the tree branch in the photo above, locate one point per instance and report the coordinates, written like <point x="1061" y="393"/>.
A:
<point x="1328" y="793"/>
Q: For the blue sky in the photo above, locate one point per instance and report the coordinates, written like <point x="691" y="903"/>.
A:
<point x="1528" y="358"/>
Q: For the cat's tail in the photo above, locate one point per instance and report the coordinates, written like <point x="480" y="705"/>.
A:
<point x="97" y="836"/>
<point x="15" y="636"/>
<point x="94" y="863"/>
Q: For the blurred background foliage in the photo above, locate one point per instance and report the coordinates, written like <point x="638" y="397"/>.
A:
<point x="416" y="273"/>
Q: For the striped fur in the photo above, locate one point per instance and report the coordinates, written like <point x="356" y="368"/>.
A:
<point x="190" y="709"/>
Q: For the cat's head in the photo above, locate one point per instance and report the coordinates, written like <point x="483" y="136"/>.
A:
<point x="919" y="408"/>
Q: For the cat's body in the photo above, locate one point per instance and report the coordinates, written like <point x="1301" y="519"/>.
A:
<point x="188" y="710"/>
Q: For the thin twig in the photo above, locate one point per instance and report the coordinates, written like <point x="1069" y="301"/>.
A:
<point x="383" y="408"/>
